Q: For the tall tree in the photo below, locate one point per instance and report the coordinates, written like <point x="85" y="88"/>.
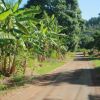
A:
<point x="68" y="15"/>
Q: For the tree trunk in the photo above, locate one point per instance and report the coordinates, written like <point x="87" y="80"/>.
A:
<point x="13" y="67"/>
<point x="4" y="65"/>
<point x="24" y="66"/>
<point x="41" y="58"/>
<point x="12" y="70"/>
<point x="9" y="65"/>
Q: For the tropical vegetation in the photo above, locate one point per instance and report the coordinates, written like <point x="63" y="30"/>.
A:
<point x="39" y="35"/>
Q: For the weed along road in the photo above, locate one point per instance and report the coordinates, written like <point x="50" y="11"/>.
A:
<point x="70" y="82"/>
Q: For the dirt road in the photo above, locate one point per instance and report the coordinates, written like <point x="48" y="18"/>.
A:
<point x="70" y="82"/>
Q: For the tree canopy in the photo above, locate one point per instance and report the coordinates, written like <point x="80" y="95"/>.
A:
<point x="68" y="15"/>
<point x="91" y="35"/>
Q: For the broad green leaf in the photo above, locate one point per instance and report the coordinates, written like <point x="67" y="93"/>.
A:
<point x="5" y="14"/>
<point x="16" y="6"/>
<point x="22" y="28"/>
<point x="52" y="17"/>
<point x="19" y="12"/>
<point x="4" y="35"/>
<point x="33" y="25"/>
<point x="45" y="30"/>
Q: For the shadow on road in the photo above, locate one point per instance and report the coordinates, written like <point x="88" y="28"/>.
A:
<point x="94" y="97"/>
<point x="74" y="77"/>
<point x="78" y="77"/>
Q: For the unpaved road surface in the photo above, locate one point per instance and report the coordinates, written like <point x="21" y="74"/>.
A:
<point x="69" y="82"/>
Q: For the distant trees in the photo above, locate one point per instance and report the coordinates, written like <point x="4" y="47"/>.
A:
<point x="94" y="23"/>
<point x="91" y="37"/>
<point x="86" y="40"/>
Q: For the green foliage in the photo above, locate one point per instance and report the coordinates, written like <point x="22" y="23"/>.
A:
<point x="91" y="37"/>
<point x="25" y="35"/>
<point x="3" y="87"/>
<point x="5" y="14"/>
<point x="37" y="37"/>
<point x="22" y="28"/>
<point x="86" y="40"/>
<point x="68" y="15"/>
<point x="11" y="37"/>
<point x="96" y="37"/>
<point x="18" y="78"/>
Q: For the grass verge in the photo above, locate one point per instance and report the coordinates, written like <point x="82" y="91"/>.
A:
<point x="50" y="65"/>
<point x="96" y="63"/>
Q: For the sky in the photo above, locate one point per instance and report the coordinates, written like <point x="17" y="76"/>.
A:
<point x="89" y="8"/>
<point x="24" y="2"/>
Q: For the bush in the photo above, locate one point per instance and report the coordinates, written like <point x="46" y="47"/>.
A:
<point x="3" y="87"/>
<point x="18" y="78"/>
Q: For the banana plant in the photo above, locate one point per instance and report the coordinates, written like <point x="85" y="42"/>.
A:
<point x="13" y="28"/>
<point x="56" y="39"/>
<point x="46" y="37"/>
<point x="21" y="31"/>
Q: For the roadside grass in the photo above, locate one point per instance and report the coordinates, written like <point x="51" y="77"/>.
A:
<point x="95" y="60"/>
<point x="96" y="63"/>
<point x="51" y="64"/>
<point x="48" y="66"/>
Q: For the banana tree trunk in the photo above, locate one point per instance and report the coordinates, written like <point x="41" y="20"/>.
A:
<point x="41" y="58"/>
<point x="9" y="65"/>
<point x="5" y="64"/>
<point x="13" y="67"/>
<point x="24" y="66"/>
